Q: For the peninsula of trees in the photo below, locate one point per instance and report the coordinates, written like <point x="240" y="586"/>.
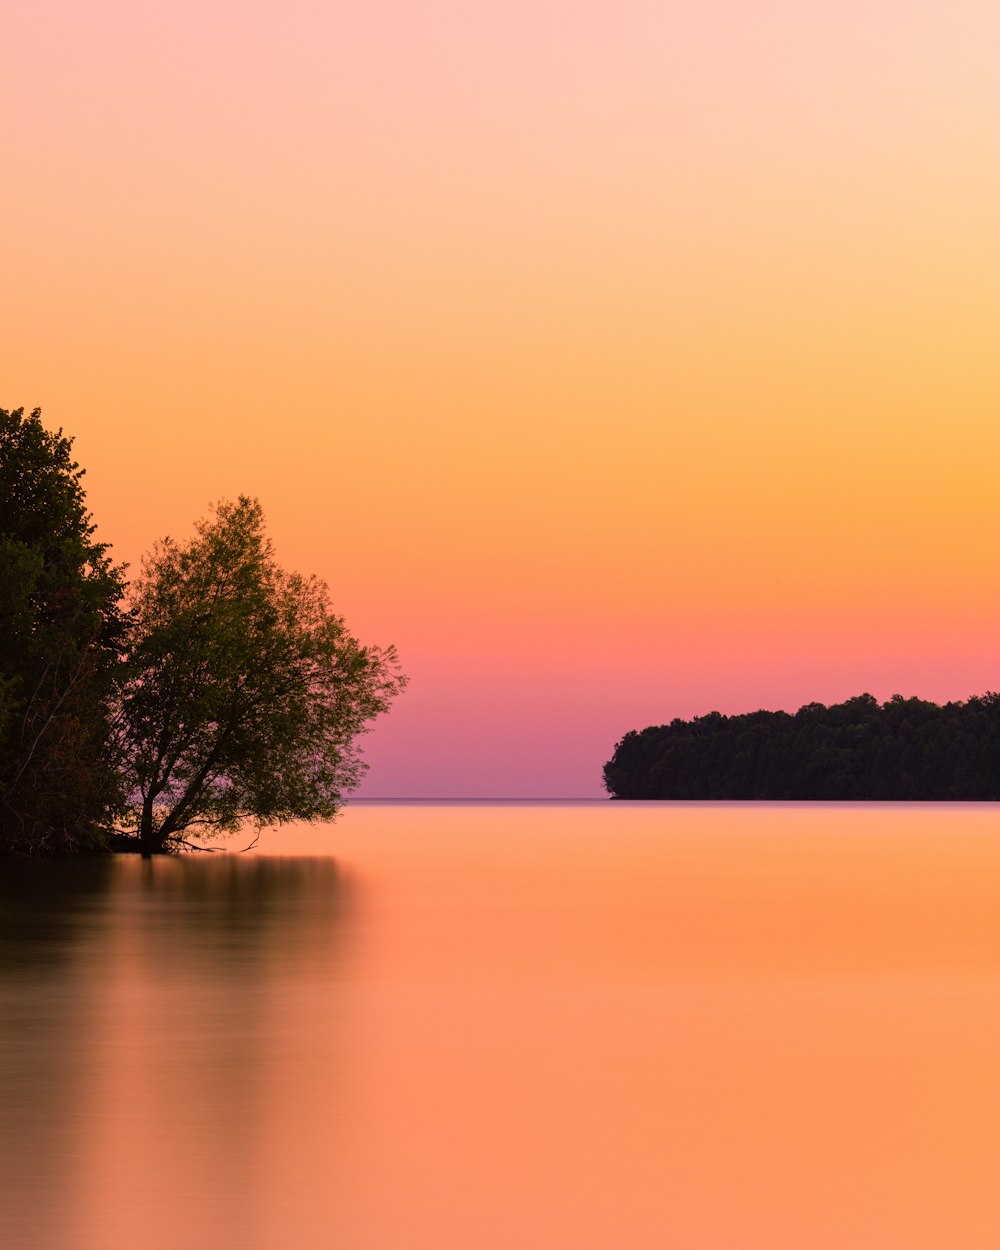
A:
<point x="215" y="691"/>
<point x="904" y="749"/>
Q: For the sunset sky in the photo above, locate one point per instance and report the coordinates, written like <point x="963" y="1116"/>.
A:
<point x="616" y="362"/>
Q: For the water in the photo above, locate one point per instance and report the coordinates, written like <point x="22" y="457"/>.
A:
<point x="541" y="1026"/>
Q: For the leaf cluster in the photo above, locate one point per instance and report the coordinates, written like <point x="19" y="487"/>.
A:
<point x="222" y="690"/>
<point x="244" y="693"/>
<point x="61" y="631"/>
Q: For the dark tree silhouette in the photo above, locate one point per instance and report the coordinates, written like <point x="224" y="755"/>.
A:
<point x="61" y="630"/>
<point x="244" y="694"/>
<point x="860" y="749"/>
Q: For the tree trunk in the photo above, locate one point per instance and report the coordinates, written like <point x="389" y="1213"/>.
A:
<point x="149" y="841"/>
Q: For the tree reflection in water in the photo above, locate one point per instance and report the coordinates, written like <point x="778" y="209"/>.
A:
<point x="149" y="1013"/>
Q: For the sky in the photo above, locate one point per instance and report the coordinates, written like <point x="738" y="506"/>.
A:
<point x="615" y="362"/>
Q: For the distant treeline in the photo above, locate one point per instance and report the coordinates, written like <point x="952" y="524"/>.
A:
<point x="861" y="749"/>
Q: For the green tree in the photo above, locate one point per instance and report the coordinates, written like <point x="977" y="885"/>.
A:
<point x="61" y="630"/>
<point x="244" y="693"/>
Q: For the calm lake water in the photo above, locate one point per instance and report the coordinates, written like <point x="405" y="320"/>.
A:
<point x="586" y="1026"/>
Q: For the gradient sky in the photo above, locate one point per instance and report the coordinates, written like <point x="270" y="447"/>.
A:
<point x="617" y="362"/>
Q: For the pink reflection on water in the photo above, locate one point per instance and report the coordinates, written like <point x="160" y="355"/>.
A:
<point x="560" y="1027"/>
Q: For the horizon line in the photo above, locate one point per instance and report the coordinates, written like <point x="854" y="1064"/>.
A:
<point x="479" y="798"/>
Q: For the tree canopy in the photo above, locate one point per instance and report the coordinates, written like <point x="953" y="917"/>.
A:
<point x="243" y="694"/>
<point x="860" y="749"/>
<point x="61" y="632"/>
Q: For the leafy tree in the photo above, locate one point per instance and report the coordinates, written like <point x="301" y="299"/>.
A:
<point x="244" y="693"/>
<point x="61" y="629"/>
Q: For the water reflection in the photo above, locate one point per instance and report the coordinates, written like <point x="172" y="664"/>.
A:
<point x="51" y="918"/>
<point x="152" y="1012"/>
<point x="555" y="1027"/>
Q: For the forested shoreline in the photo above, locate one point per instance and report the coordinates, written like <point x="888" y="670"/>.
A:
<point x="903" y="749"/>
<point x="212" y="691"/>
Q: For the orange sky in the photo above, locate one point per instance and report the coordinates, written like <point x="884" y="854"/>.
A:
<point x="615" y="362"/>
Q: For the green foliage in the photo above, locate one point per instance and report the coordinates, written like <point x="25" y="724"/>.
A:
<point x="904" y="749"/>
<point x="60" y="633"/>
<point x="244" y="694"/>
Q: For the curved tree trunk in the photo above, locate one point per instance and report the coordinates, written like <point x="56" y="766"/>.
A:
<point x="150" y="842"/>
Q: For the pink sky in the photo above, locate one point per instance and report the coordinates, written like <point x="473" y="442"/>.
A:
<point x="615" y="362"/>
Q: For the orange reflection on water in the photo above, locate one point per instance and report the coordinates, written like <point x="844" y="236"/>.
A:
<point x="557" y="1027"/>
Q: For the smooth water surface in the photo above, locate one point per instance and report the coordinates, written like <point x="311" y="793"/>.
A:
<point x="587" y="1026"/>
